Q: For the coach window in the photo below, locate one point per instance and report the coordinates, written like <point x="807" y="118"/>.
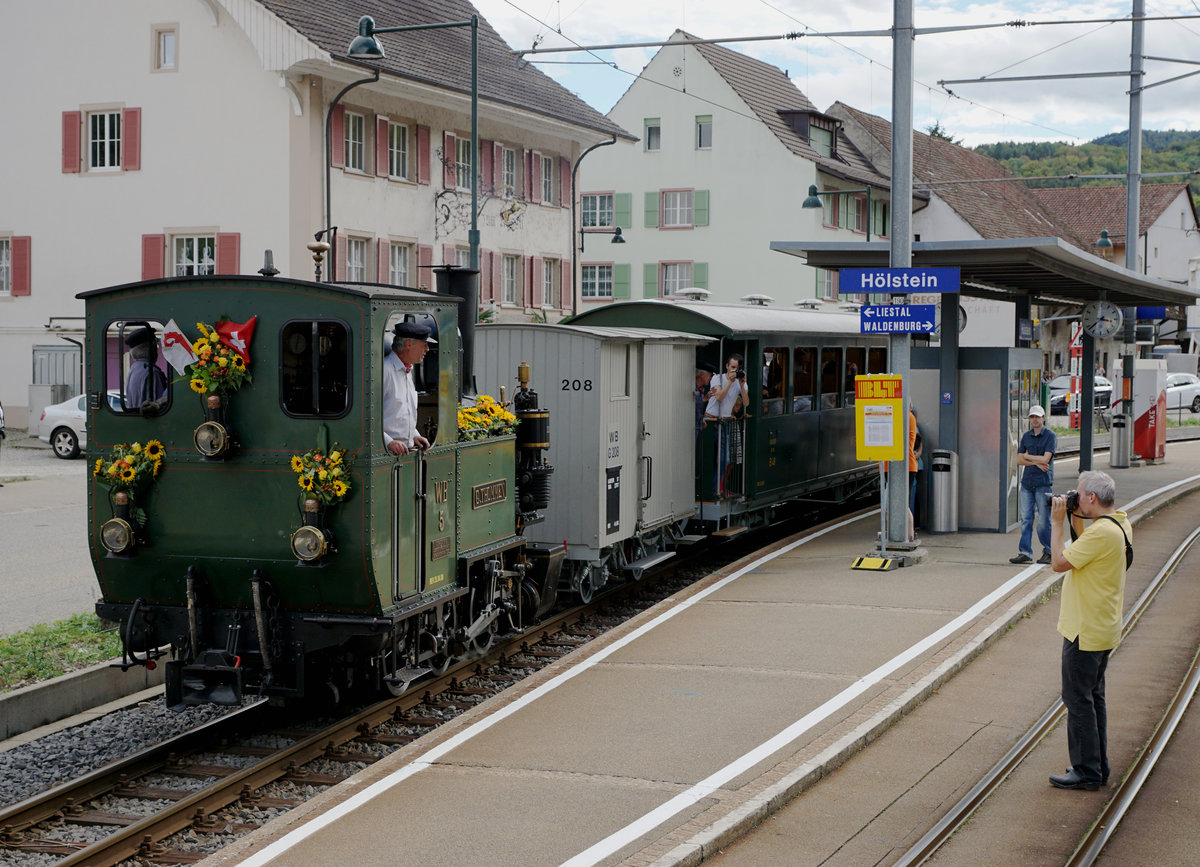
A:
<point x="314" y="369"/>
<point x="137" y="377"/>
<point x="775" y="365"/>
<point x="804" y="376"/>
<point x="856" y="365"/>
<point x="877" y="359"/>
<point x="831" y="371"/>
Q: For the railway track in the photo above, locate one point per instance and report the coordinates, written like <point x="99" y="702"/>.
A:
<point x="1126" y="792"/>
<point x="143" y="808"/>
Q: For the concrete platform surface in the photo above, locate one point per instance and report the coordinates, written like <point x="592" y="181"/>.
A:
<point x="676" y="731"/>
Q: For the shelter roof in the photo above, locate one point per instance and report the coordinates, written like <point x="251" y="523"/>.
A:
<point x="1046" y="270"/>
<point x="720" y="320"/>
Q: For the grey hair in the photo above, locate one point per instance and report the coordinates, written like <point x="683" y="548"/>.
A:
<point x="142" y="350"/>
<point x="1100" y="484"/>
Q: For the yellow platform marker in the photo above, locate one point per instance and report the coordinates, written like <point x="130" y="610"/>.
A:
<point x="878" y="564"/>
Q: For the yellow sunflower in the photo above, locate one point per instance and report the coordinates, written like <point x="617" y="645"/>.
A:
<point x="99" y="464"/>
<point x="154" y="450"/>
<point x="198" y="386"/>
<point x="306" y="483"/>
<point x="340" y="488"/>
<point x="297" y="464"/>
<point x="127" y="474"/>
<point x="238" y="364"/>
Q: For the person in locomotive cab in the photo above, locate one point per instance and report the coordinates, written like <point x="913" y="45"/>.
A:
<point x="409" y="345"/>
<point x="146" y="384"/>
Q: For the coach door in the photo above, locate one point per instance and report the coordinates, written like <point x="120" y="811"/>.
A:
<point x="665" y="429"/>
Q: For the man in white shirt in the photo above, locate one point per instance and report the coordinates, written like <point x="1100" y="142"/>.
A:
<point x="409" y="345"/>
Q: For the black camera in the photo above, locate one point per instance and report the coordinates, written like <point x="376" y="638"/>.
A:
<point x="1072" y="501"/>
<point x="741" y="374"/>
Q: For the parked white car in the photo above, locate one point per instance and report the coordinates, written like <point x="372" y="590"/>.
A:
<point x="64" y="425"/>
<point x="1183" y="391"/>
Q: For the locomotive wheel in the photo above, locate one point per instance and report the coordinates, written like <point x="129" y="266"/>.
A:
<point x="482" y="642"/>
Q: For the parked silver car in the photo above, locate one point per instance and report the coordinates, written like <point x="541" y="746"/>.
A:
<point x="1183" y="391"/>
<point x="64" y="425"/>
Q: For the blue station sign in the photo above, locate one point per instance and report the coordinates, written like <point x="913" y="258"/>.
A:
<point x="898" y="280"/>
<point x="897" y="319"/>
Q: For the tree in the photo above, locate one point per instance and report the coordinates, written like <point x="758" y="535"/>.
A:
<point x="940" y="132"/>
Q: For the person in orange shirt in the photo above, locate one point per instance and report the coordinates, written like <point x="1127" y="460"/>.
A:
<point x="915" y="447"/>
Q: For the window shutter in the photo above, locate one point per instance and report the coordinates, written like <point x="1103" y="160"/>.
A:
<point x="652" y="210"/>
<point x="131" y="139"/>
<point x="527" y="269"/>
<point x="565" y="193"/>
<point x="527" y="180"/>
<point x="337" y="137"/>
<point x="449" y="161"/>
<point x="422" y="154"/>
<point x="154" y="256"/>
<point x="485" y="270"/>
<point x="340" y="253"/>
<point x="536" y="181"/>
<point x="382" y="129"/>
<point x="72" y="132"/>
<point x="229" y="253"/>
<point x="537" y="294"/>
<point x="21" y="248"/>
<point x="650" y="280"/>
<point x="700" y="208"/>
<point x="498" y="276"/>
<point x="621" y="281"/>
<point x="498" y="168"/>
<point x="623" y="210"/>
<point x="449" y="256"/>
<point x="566" y="288"/>
<point x="424" y="264"/>
<point x="383" y="261"/>
<point x="486" y="167"/>
<point x="700" y="275"/>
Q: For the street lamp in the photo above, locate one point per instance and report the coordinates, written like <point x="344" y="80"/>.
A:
<point x="814" y="201"/>
<point x="1105" y="246"/>
<point x="618" y="238"/>
<point x="366" y="45"/>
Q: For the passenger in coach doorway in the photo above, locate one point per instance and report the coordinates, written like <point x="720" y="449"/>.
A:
<point x="409" y="345"/>
<point x="726" y="393"/>
<point x="704" y="375"/>
<point x="1036" y="455"/>
<point x="1089" y="619"/>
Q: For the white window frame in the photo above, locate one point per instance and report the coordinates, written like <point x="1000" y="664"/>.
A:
<point x="193" y="262"/>
<point x="859" y="213"/>
<point x="399" y="164"/>
<point x="510" y="278"/>
<point x="399" y="261"/>
<point x="677" y="209"/>
<point x="5" y="267"/>
<point x="462" y="257"/>
<point x="165" y="57"/>
<point x="703" y="124"/>
<point x="596" y="281"/>
<point x="510" y="172"/>
<point x="827" y="284"/>
<point x="355" y="139"/>
<point x="674" y="276"/>
<point x="548" y="180"/>
<point x="356" y="260"/>
<point x="462" y="163"/>
<point x="550" y="280"/>
<point x="653" y="139"/>
<point x="597" y="211"/>
<point x="104" y="140"/>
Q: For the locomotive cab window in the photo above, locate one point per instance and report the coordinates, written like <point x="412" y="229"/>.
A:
<point x="419" y="367"/>
<point x="314" y="368"/>
<point x="137" y="377"/>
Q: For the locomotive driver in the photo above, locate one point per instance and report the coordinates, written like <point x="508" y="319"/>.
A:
<point x="409" y="345"/>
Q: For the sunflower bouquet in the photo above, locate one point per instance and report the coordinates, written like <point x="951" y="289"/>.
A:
<point x="486" y="418"/>
<point x="324" y="476"/>
<point x="130" y="467"/>
<point x="219" y="368"/>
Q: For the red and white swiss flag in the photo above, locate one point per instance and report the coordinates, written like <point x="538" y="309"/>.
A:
<point x="238" y="336"/>
<point x="176" y="349"/>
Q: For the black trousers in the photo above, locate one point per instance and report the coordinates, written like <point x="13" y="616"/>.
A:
<point x="1087" y="714"/>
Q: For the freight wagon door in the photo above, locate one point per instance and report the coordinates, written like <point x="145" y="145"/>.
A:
<point x="665" y="427"/>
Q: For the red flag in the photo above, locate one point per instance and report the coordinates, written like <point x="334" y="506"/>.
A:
<point x="237" y="336"/>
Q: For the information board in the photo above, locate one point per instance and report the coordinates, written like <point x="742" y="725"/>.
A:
<point x="879" y="418"/>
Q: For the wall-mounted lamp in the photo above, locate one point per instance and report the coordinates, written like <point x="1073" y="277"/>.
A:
<point x="618" y="238"/>
<point x="814" y="201"/>
<point x="1105" y="246"/>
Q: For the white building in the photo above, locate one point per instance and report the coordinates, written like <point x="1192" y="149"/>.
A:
<point x="184" y="137"/>
<point x="729" y="148"/>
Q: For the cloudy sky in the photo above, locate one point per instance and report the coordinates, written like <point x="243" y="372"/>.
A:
<point x="857" y="70"/>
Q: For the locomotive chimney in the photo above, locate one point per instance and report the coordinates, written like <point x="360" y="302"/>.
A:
<point x="462" y="283"/>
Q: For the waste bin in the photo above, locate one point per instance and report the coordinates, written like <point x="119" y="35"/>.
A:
<point x="943" y="515"/>
<point x="1119" y="446"/>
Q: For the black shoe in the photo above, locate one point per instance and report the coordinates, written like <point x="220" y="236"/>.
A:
<point x="1072" y="780"/>
<point x="1020" y="559"/>
<point x="1045" y="558"/>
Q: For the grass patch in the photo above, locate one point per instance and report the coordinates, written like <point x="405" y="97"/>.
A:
<point x="50" y="649"/>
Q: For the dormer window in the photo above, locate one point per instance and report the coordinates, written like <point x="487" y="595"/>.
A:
<point x="819" y="130"/>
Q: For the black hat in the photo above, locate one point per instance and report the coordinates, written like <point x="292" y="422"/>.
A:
<point x="145" y="334"/>
<point x="706" y="367"/>
<point x="412" y="331"/>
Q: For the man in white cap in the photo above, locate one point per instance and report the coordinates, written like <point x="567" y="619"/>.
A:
<point x="409" y="345"/>
<point x="1036" y="455"/>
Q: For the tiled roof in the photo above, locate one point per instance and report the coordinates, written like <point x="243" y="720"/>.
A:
<point x="767" y="90"/>
<point x="1091" y="209"/>
<point x="994" y="210"/>
<point x="441" y="57"/>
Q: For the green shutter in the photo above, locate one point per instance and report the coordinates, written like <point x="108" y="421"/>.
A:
<point x="623" y="210"/>
<point x="650" y="280"/>
<point x="652" y="210"/>
<point x="620" y="281"/>
<point x="700" y="208"/>
<point x="700" y="275"/>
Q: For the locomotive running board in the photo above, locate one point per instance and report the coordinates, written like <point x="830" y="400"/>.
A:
<point x="405" y="676"/>
<point x="647" y="562"/>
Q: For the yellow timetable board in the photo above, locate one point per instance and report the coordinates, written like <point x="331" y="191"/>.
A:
<point x="879" y="418"/>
